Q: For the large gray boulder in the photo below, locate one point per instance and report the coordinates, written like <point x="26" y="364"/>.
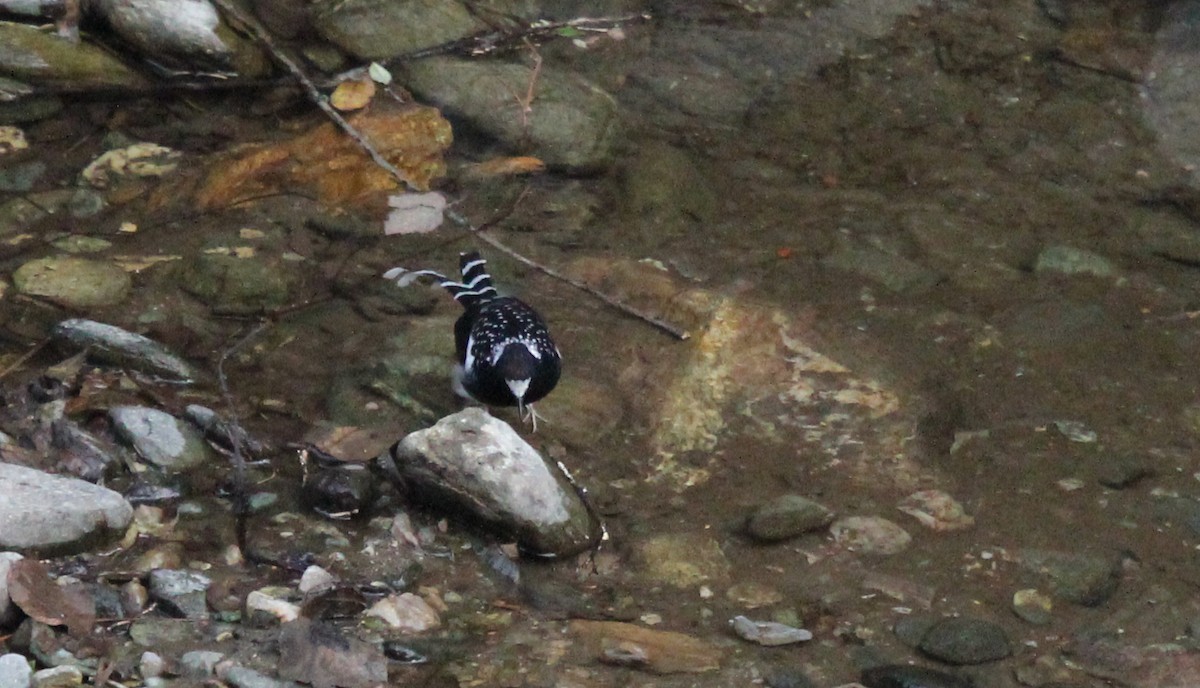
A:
<point x="472" y="463"/>
<point x="49" y="513"/>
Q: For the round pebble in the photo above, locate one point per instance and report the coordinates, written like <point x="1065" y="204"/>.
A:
<point x="870" y="535"/>
<point x="1032" y="606"/>
<point x="787" y="517"/>
<point x="966" y="640"/>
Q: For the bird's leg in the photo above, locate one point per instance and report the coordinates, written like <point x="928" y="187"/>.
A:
<point x="529" y="414"/>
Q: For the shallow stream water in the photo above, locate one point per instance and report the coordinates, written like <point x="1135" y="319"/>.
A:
<point x="916" y="247"/>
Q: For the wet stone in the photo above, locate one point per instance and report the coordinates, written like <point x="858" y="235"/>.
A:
<point x="377" y="29"/>
<point x="21" y="177"/>
<point x="910" y="629"/>
<point x="659" y="652"/>
<point x="666" y="188"/>
<point x="268" y="606"/>
<point x="321" y="655"/>
<point x="200" y="663"/>
<point x="406" y="613"/>
<point x="787" y="517"/>
<point x="753" y="595"/>
<point x="682" y="560"/>
<point x="151" y="664"/>
<point x="909" y="676"/>
<point x="240" y="275"/>
<point x="1032" y="606"/>
<point x="1123" y="473"/>
<point x="787" y="677"/>
<point x="474" y="462"/>
<point x="37" y="56"/>
<point x="14" y="671"/>
<point x="49" y="512"/>
<point x="768" y="633"/>
<point x="315" y="578"/>
<point x="244" y="677"/>
<point x="936" y="510"/>
<point x="73" y="282"/>
<point x="160" y="438"/>
<point x="183" y="593"/>
<point x="58" y="677"/>
<point x="339" y="490"/>
<point x="870" y="535"/>
<point x="966" y="640"/>
<point x="111" y="345"/>
<point x="1068" y="260"/>
<point x="575" y="126"/>
<point x="1084" y="579"/>
<point x="160" y="631"/>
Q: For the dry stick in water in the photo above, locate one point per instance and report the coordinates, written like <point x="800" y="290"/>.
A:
<point x="260" y="34"/>
<point x="241" y="500"/>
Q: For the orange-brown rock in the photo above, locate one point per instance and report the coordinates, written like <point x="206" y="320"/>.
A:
<point x="325" y="162"/>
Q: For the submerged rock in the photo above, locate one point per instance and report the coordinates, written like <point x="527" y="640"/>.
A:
<point x="1085" y="579"/>
<point x="320" y="655"/>
<point x="379" y="29"/>
<point x="479" y="464"/>
<point x="159" y="437"/>
<point x="571" y="124"/>
<point x="659" y="652"/>
<point x="343" y="490"/>
<point x="406" y="612"/>
<point x="909" y="676"/>
<point x="1068" y="260"/>
<point x="111" y="345"/>
<point x="870" y="535"/>
<point x="47" y="512"/>
<point x="787" y="517"/>
<point x="73" y="282"/>
<point x="39" y="57"/>
<point x="682" y="560"/>
<point x="966" y="640"/>
<point x="189" y="32"/>
<point x="239" y="281"/>
<point x="181" y="593"/>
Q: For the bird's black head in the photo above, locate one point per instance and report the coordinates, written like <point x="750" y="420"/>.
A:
<point x="517" y="365"/>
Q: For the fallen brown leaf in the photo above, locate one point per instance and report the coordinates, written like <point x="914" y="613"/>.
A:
<point x="38" y="595"/>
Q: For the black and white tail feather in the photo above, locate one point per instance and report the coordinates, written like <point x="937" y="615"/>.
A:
<point x="506" y="356"/>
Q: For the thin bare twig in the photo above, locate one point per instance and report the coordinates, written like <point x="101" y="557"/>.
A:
<point x="23" y="358"/>
<point x="458" y="219"/>
<point x="322" y="102"/>
<point x="241" y="501"/>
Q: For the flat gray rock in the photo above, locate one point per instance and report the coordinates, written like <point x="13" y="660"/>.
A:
<point x="111" y="345"/>
<point x="159" y="437"/>
<point x="472" y="463"/>
<point x="45" y="512"/>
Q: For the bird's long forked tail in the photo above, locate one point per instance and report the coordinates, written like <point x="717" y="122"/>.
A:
<point x="475" y="287"/>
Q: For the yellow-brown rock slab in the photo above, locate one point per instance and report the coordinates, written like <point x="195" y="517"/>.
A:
<point x="659" y="652"/>
<point x="749" y="368"/>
